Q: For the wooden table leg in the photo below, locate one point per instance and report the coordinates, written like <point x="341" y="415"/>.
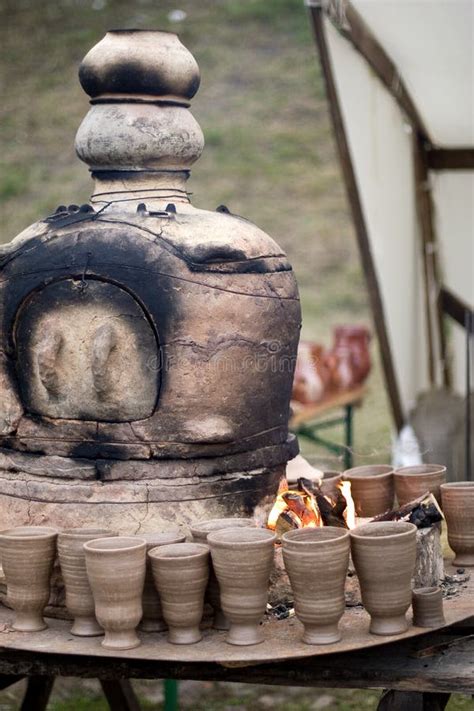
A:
<point x="120" y="695"/>
<point x="7" y="680"/>
<point x="412" y="701"/>
<point x="37" y="693"/>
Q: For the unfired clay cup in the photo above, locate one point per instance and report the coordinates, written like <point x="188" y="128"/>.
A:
<point x="316" y="560"/>
<point x="412" y="482"/>
<point x="116" y="571"/>
<point x="181" y="572"/>
<point x="427" y="606"/>
<point x="458" y="508"/>
<point x="72" y="560"/>
<point x="371" y="488"/>
<point x="384" y="555"/>
<point x="200" y="532"/>
<point x="28" y="554"/>
<point x="243" y="560"/>
<point x="152" y="620"/>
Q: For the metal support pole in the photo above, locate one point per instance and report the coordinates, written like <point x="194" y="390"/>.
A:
<point x="171" y="695"/>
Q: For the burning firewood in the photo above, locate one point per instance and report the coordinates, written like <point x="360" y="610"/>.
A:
<point x="423" y="512"/>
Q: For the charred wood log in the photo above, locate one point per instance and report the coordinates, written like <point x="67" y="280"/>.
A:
<point x="423" y="512"/>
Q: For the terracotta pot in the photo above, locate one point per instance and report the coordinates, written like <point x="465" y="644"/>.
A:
<point x="428" y="607"/>
<point x="316" y="560"/>
<point x="372" y="488"/>
<point x="331" y="474"/>
<point x="458" y="508"/>
<point x="312" y="374"/>
<point x="412" y="482"/>
<point x="27" y="554"/>
<point x="200" y="532"/>
<point x="243" y="560"/>
<point x="152" y="620"/>
<point x="116" y="571"/>
<point x="181" y="572"/>
<point x="384" y="555"/>
<point x="72" y="559"/>
<point x="357" y="339"/>
<point x="340" y="362"/>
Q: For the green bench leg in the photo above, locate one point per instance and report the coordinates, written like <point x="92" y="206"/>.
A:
<point x="171" y="694"/>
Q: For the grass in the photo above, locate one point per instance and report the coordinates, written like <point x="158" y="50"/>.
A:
<point x="270" y="156"/>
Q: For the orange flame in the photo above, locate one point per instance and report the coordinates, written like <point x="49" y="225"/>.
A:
<point x="349" y="513"/>
<point x="300" y="507"/>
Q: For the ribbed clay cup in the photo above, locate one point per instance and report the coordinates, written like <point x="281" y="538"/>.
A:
<point x="181" y="572"/>
<point x="384" y="556"/>
<point x="27" y="554"/>
<point x="243" y="560"/>
<point x="72" y="560"/>
<point x="200" y="532"/>
<point x="412" y="482"/>
<point x="116" y="571"/>
<point x="427" y="606"/>
<point x="371" y="488"/>
<point x="458" y="508"/>
<point x="316" y="560"/>
<point x="152" y="620"/>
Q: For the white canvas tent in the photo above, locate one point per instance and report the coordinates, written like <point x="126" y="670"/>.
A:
<point x="400" y="83"/>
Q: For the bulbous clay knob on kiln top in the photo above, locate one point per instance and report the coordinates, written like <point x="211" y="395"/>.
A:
<point x="140" y="83"/>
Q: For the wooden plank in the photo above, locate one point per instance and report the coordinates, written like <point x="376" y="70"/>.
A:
<point x="359" y="219"/>
<point x="331" y="402"/>
<point x="355" y="29"/>
<point x="450" y="158"/>
<point x="391" y="666"/>
<point x="457" y="309"/>
<point x="429" y="257"/>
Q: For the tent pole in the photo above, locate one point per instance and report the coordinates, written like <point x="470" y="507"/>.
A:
<point x="352" y="190"/>
<point x="434" y="313"/>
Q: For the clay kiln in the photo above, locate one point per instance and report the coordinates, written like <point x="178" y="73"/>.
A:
<point x="147" y="346"/>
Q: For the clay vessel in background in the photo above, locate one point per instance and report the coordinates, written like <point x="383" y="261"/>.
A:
<point x="458" y="507"/>
<point x="27" y="554"/>
<point x="331" y="474"/>
<point x="312" y="373"/>
<point x="152" y="620"/>
<point x="428" y="607"/>
<point x="243" y="560"/>
<point x="200" y="531"/>
<point x="72" y="560"/>
<point x="371" y="488"/>
<point x="384" y="556"/>
<point x="317" y="560"/>
<point x="341" y="365"/>
<point x="116" y="571"/>
<point x="412" y="482"/>
<point x="181" y="572"/>
<point x="356" y="339"/>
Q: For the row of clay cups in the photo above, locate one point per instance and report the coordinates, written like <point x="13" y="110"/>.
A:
<point x="317" y="560"/>
<point x="110" y="588"/>
<point x="374" y="487"/>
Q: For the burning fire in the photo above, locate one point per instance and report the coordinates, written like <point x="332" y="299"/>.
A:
<point x="309" y="504"/>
